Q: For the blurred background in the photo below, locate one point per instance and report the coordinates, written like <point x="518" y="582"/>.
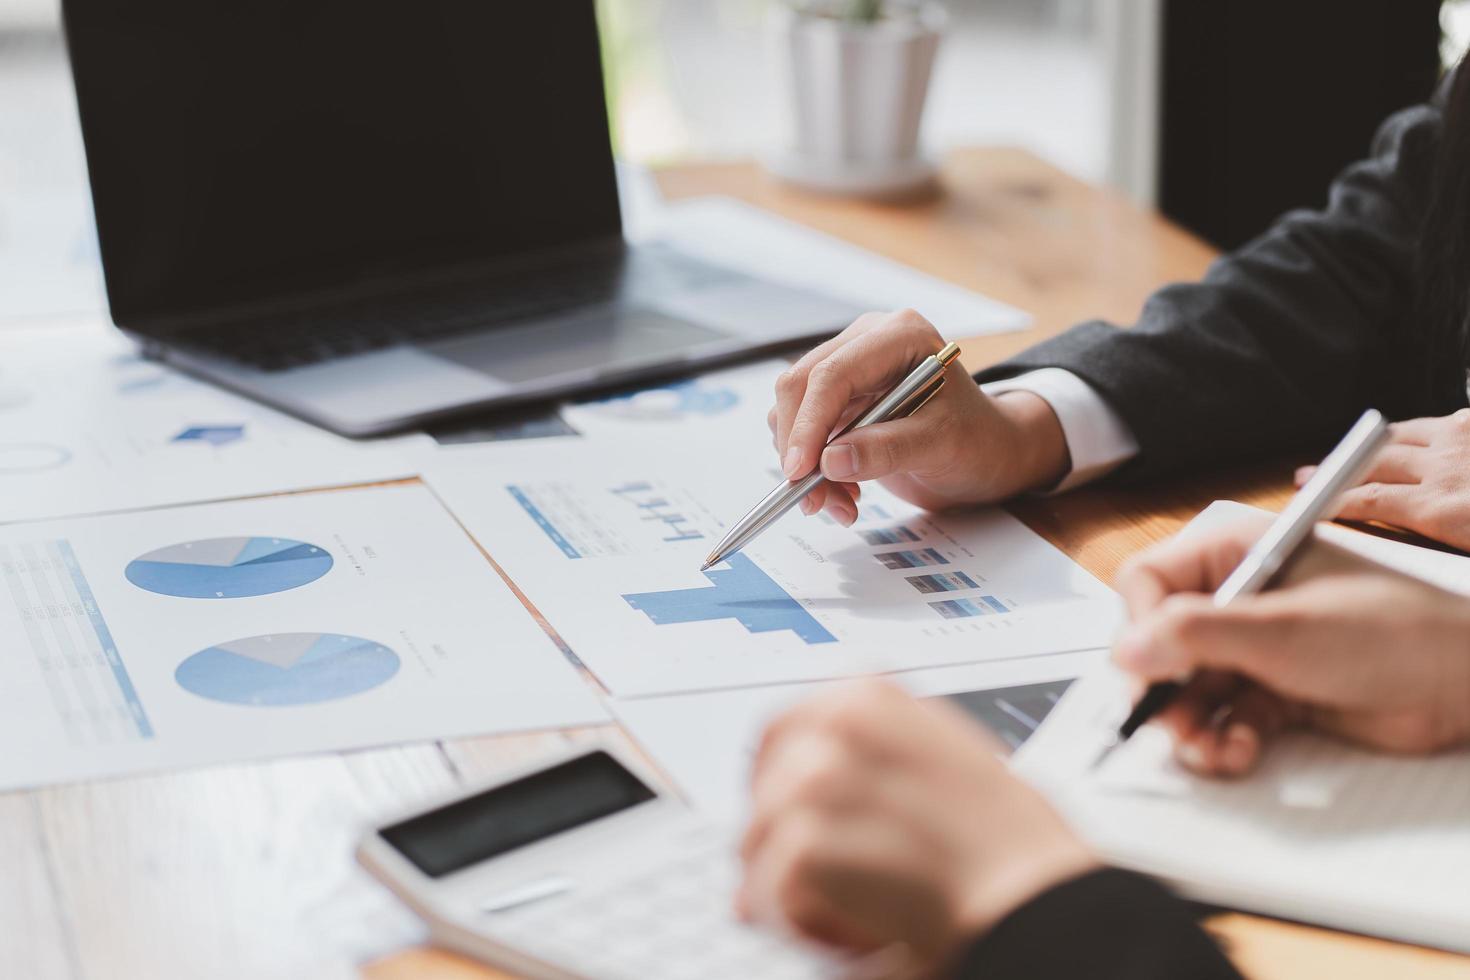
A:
<point x="1137" y="94"/>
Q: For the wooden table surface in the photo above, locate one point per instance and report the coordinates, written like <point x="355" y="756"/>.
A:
<point x="246" y="871"/>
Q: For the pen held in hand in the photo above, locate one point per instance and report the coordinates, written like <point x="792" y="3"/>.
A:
<point x="1342" y="468"/>
<point x="906" y="398"/>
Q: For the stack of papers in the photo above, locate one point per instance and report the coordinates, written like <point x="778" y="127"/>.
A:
<point x="255" y="628"/>
<point x="87" y="426"/>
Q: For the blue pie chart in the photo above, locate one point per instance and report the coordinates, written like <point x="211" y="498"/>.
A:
<point x="229" y="568"/>
<point x="287" y="669"/>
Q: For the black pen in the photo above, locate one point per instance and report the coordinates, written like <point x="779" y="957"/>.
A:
<point x="1342" y="468"/>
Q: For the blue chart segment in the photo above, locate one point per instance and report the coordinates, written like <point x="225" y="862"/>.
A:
<point x="287" y="669"/>
<point x="741" y="591"/>
<point x="942" y="582"/>
<point x="670" y="402"/>
<point x="1013" y="713"/>
<point x="888" y="535"/>
<point x="229" y="568"/>
<point x="911" y="559"/>
<point x="214" y="435"/>
<point x="985" y="605"/>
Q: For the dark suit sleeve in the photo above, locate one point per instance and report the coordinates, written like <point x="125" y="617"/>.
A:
<point x="1285" y="341"/>
<point x="1107" y="925"/>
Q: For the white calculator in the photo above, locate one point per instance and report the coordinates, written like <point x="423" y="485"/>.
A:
<point x="576" y="868"/>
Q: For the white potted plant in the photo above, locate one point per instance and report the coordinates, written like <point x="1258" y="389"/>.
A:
<point x="858" y="76"/>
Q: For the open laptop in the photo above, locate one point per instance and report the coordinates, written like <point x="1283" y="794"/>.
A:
<point x="373" y="214"/>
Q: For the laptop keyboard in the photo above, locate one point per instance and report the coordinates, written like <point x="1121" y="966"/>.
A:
<point x="288" y="341"/>
<point x="295" y="340"/>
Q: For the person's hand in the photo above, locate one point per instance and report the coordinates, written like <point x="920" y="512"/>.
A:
<point x="961" y="448"/>
<point x="1344" y="646"/>
<point x="1420" y="480"/>
<point x="881" y="820"/>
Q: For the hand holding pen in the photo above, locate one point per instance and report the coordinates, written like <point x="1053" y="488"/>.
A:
<point x="963" y="448"/>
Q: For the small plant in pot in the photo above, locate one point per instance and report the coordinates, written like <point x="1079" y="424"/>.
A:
<point x="858" y="77"/>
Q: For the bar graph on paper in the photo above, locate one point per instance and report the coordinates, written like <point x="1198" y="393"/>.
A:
<point x="953" y="594"/>
<point x="631" y="517"/>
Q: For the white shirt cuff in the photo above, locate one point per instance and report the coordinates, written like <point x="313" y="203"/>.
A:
<point x="1097" y="438"/>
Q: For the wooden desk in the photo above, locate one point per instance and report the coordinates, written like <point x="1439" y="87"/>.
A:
<point x="245" y="871"/>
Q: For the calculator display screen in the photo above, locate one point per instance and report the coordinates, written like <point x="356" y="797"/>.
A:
<point x="518" y="813"/>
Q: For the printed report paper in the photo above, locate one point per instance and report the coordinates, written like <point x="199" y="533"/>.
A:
<point x="607" y="545"/>
<point x="706" y="742"/>
<point x="87" y="426"/>
<point x="257" y="628"/>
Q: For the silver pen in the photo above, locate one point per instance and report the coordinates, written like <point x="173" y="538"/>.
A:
<point x="1342" y="468"/>
<point x="922" y="384"/>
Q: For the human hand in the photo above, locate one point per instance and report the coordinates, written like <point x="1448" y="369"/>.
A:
<point x="963" y="447"/>
<point x="1420" y="480"/>
<point x="879" y="819"/>
<point x="1343" y="645"/>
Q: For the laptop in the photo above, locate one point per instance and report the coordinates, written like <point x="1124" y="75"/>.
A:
<point x="373" y="215"/>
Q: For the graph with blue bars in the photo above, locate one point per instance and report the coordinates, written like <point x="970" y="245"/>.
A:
<point x="888" y="535"/>
<point x="229" y="568"/>
<point x="985" y="605"/>
<point x="739" y="590"/>
<point x="654" y="506"/>
<point x="942" y="582"/>
<point x="911" y="559"/>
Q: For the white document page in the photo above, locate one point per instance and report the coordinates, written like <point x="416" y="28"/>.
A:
<point x="87" y="426"/>
<point x="728" y="232"/>
<point x="1324" y="832"/>
<point x="726" y="406"/>
<point x="607" y="544"/>
<point x="256" y="628"/>
<point x="706" y="742"/>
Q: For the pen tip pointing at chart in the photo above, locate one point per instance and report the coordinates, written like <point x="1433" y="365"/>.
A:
<point x="707" y="564"/>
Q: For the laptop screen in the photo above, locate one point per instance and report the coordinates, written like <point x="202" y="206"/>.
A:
<point x="240" y="152"/>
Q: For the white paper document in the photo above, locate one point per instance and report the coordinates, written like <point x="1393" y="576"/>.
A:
<point x="607" y="545"/>
<point x="728" y="232"/>
<point x="1448" y="571"/>
<point x="256" y="628"/>
<point x="87" y="426"/>
<point x="726" y="406"/>
<point x="1323" y="832"/>
<point x="706" y="742"/>
<point x="720" y="407"/>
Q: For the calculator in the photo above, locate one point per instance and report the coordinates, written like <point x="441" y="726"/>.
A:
<point x="576" y="868"/>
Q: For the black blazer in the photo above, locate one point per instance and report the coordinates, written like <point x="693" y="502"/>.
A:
<point x="1108" y="925"/>
<point x="1287" y="340"/>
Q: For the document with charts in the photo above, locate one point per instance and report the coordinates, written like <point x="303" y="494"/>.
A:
<point x="88" y="426"/>
<point x="1009" y="697"/>
<point x="255" y="628"/>
<point x="607" y="544"/>
<point x="728" y="406"/>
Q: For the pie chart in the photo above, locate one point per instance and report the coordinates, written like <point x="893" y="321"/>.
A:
<point x="229" y="568"/>
<point x="287" y="669"/>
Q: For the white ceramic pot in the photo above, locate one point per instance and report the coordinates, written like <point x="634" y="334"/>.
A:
<point x="857" y="96"/>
